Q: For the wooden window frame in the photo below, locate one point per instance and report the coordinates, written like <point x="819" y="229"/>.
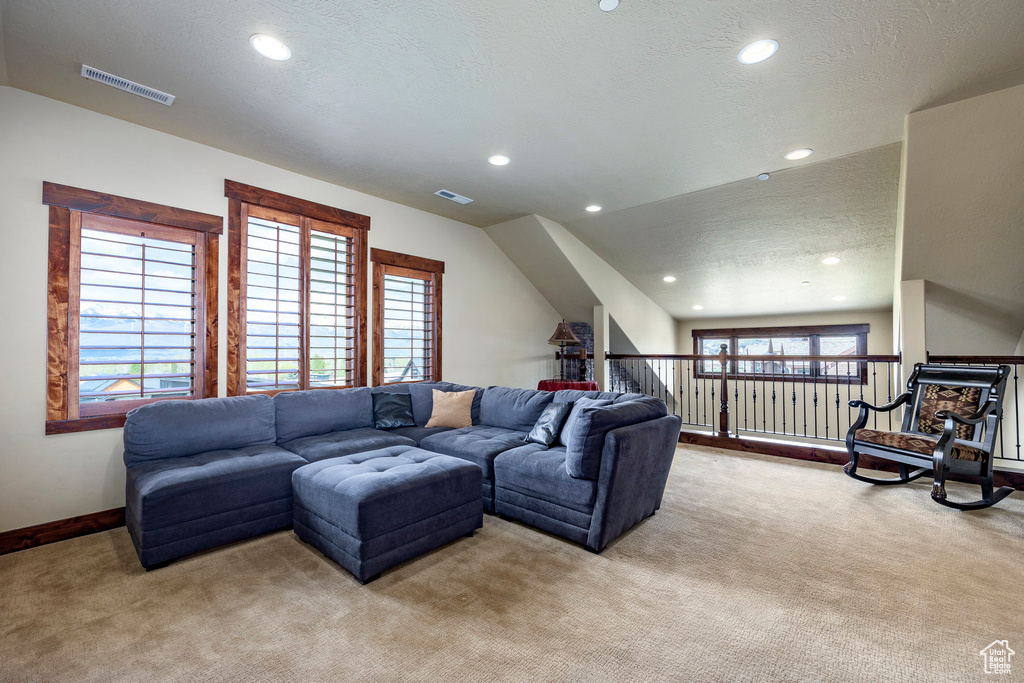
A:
<point x="415" y="266"/>
<point x="327" y="218"/>
<point x="67" y="205"/>
<point x="814" y="333"/>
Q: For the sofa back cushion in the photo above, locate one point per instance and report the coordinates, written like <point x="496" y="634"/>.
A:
<point x="423" y="399"/>
<point x="319" y="411"/>
<point x="513" y="408"/>
<point x="591" y="424"/>
<point x="174" y="429"/>
<point x="566" y="395"/>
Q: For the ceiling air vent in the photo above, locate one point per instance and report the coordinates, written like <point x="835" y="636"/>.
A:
<point x="126" y="85"/>
<point x="457" y="198"/>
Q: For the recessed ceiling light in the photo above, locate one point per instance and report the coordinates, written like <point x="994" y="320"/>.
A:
<point x="839" y="298"/>
<point x="593" y="208"/>
<point x="758" y="51"/>
<point x="805" y="283"/>
<point x="270" y="47"/>
<point x="669" y="278"/>
<point x="798" y="154"/>
<point x="764" y="176"/>
<point x="830" y="260"/>
<point x="698" y="307"/>
<point x="499" y="160"/>
<point x="608" y="5"/>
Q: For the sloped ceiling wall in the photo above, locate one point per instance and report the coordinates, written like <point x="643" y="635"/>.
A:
<point x="963" y="221"/>
<point x="574" y="279"/>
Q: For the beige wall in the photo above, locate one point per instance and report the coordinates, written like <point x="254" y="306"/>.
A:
<point x="963" y="221"/>
<point x="495" y="322"/>
<point x="880" y="336"/>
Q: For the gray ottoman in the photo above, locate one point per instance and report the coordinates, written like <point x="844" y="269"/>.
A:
<point x="371" y="511"/>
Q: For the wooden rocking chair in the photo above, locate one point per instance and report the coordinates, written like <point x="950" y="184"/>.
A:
<point x="949" y="427"/>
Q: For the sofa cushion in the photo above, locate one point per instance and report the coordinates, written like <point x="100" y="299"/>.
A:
<point x="392" y="409"/>
<point x="417" y="434"/>
<point x="423" y="399"/>
<point x="549" y="425"/>
<point x="510" y="408"/>
<point x="536" y="471"/>
<point x="583" y="454"/>
<point x="574" y="416"/>
<point x="172" y="429"/>
<point x="335" y="444"/>
<point x="566" y="395"/>
<point x="165" y="492"/>
<point x="319" y="411"/>
<point x="478" y="444"/>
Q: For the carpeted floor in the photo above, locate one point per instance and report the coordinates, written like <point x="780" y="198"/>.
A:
<point x="754" y="569"/>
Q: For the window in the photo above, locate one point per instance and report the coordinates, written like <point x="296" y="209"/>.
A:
<point x="407" y="319"/>
<point x="132" y="307"/>
<point x="296" y="293"/>
<point x="770" y="348"/>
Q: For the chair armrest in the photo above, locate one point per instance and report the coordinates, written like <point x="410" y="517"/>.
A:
<point x="900" y="400"/>
<point x="635" y="462"/>
<point x="950" y="417"/>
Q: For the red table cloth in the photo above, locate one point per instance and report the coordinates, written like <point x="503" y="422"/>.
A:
<point x="557" y="384"/>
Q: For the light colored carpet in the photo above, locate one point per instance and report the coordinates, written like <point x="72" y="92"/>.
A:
<point x="755" y="568"/>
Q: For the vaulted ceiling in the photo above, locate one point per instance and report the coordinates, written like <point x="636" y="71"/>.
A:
<point x="400" y="98"/>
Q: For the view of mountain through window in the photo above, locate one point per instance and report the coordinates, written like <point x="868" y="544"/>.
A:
<point x="137" y="318"/>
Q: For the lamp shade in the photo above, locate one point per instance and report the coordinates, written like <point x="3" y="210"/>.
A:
<point x="563" y="335"/>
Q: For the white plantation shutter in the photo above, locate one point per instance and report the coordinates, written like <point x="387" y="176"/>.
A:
<point x="408" y="329"/>
<point x="137" y="314"/>
<point x="300" y="313"/>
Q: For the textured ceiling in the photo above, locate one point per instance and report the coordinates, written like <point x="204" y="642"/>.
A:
<point x="744" y="248"/>
<point x="400" y="98"/>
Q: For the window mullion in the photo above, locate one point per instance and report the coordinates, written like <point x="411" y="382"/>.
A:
<point x="305" y="264"/>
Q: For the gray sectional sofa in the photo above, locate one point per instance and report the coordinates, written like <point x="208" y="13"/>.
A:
<point x="204" y="473"/>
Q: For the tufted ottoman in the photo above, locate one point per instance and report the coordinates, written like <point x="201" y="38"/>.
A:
<point x="371" y="511"/>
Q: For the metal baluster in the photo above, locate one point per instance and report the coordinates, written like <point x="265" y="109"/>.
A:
<point x="824" y="402"/>
<point x="701" y="409"/>
<point x="839" y="431"/>
<point x="775" y="416"/>
<point x="712" y="402"/>
<point x="688" y="404"/>
<point x="783" y="397"/>
<point x="874" y="392"/>
<point x="888" y="390"/>
<point x="1016" y="403"/>
<point x="764" y="401"/>
<point x="753" y="393"/>
<point x="794" y="403"/>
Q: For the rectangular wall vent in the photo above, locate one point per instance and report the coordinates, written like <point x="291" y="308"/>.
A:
<point x="126" y="85"/>
<point x="457" y="198"/>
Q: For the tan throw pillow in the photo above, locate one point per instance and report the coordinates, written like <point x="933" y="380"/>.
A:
<point x="452" y="409"/>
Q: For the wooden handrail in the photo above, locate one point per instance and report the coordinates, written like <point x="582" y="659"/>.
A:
<point x="690" y="356"/>
<point x="1012" y="360"/>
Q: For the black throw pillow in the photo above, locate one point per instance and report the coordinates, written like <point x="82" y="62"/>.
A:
<point x="392" y="410"/>
<point x="549" y="424"/>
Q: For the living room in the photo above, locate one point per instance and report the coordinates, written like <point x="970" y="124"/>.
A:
<point x="628" y="200"/>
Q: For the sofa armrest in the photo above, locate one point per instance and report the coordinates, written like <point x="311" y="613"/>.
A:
<point x="635" y="463"/>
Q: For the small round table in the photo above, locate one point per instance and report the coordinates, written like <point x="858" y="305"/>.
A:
<point x="557" y="384"/>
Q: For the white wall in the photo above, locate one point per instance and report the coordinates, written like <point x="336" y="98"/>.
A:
<point x="495" y="322"/>
<point x="648" y="326"/>
<point x="962" y="218"/>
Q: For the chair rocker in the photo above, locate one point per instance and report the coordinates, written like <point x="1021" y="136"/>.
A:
<point x="949" y="427"/>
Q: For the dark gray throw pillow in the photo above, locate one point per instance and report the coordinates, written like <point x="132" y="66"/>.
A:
<point x="391" y="411"/>
<point x="549" y="424"/>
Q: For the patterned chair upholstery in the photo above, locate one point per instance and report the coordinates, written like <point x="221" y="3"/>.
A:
<point x="949" y="426"/>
